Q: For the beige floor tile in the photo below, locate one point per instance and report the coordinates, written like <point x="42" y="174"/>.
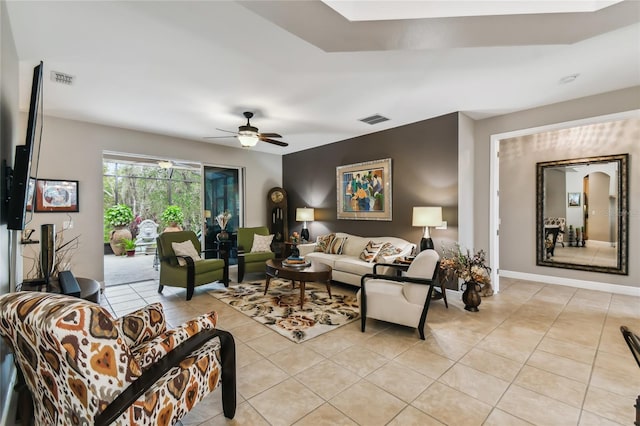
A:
<point x="616" y="381"/>
<point x="208" y="408"/>
<point x="574" y="351"/>
<point x="451" y="406"/>
<point x="245" y="415"/>
<point x="590" y="419"/>
<point x="299" y="401"/>
<point x="295" y="359"/>
<point x="482" y="386"/>
<point x="270" y="343"/>
<point x="325" y="415"/>
<point x="411" y="416"/>
<point x="245" y="355"/>
<point x="448" y="347"/>
<point x="556" y="387"/>
<point x="327" y="378"/>
<point x="500" y="418"/>
<point x="359" y="360"/>
<point x="390" y="345"/>
<point x="496" y="365"/>
<point x="560" y="365"/>
<point x="609" y="405"/>
<point x="400" y="381"/>
<point x="367" y="404"/>
<point x="249" y="331"/>
<point x="258" y="377"/>
<point x="536" y="408"/>
<point x="510" y="342"/>
<point x="425" y="362"/>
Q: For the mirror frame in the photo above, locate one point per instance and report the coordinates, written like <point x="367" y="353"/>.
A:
<point x="622" y="267"/>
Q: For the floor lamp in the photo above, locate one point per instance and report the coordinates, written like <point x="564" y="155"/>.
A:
<point x="426" y="217"/>
<point x="304" y="214"/>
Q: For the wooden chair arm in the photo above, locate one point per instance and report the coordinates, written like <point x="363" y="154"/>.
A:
<point x="228" y="360"/>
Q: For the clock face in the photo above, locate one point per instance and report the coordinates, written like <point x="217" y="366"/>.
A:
<point x="277" y="196"/>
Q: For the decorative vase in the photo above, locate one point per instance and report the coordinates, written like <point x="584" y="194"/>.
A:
<point x="222" y="235"/>
<point x="115" y="240"/>
<point x="471" y="296"/>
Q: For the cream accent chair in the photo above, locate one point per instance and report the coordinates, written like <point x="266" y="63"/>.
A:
<point x="400" y="299"/>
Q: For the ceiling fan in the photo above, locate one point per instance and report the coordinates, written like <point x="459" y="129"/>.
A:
<point x="249" y="135"/>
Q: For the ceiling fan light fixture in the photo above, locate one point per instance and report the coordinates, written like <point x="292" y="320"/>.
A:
<point x="248" y="138"/>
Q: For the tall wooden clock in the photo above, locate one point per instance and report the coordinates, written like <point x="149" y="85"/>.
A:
<point x="277" y="216"/>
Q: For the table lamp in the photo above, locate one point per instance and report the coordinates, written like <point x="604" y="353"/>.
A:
<point x="304" y="214"/>
<point x="426" y="217"/>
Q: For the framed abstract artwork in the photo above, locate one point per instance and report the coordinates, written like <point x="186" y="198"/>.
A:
<point x="53" y="196"/>
<point x="573" y="199"/>
<point x="364" y="190"/>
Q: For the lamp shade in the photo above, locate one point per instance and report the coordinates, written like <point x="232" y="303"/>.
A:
<point x="304" y="214"/>
<point x="207" y="214"/>
<point x="427" y="216"/>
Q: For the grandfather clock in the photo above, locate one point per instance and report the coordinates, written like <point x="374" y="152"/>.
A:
<point x="277" y="218"/>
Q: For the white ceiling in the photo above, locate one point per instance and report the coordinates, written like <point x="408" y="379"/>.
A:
<point x="183" y="68"/>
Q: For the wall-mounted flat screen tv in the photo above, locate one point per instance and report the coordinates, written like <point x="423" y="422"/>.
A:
<point x="25" y="165"/>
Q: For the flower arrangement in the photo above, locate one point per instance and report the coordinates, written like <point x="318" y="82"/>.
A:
<point x="295" y="237"/>
<point x="223" y="218"/>
<point x="468" y="267"/>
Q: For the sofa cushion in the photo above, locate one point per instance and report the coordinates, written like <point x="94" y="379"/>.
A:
<point x="324" y="258"/>
<point x="371" y="250"/>
<point x="354" y="244"/>
<point x="353" y="265"/>
<point x="388" y="252"/>
<point x="336" y="245"/>
<point x="323" y="242"/>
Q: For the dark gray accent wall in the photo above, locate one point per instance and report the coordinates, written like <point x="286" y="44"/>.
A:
<point x="424" y="162"/>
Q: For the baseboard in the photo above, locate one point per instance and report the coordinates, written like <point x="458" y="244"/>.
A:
<point x="570" y="282"/>
<point x="8" y="407"/>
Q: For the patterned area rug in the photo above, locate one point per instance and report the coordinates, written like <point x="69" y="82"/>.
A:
<point x="280" y="309"/>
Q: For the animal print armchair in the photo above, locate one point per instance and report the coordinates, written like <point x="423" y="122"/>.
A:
<point x="81" y="366"/>
<point x="560" y="222"/>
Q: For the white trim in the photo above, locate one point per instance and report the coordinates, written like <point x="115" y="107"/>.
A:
<point x="570" y="282"/>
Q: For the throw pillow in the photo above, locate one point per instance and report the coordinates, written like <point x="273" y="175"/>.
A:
<point x="336" y="245"/>
<point x="370" y="251"/>
<point x="142" y="325"/>
<point x="387" y="252"/>
<point x="185" y="249"/>
<point x="261" y="243"/>
<point x="323" y="242"/>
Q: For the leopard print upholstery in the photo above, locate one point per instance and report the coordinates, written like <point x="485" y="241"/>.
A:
<point x="76" y="359"/>
<point x="557" y="221"/>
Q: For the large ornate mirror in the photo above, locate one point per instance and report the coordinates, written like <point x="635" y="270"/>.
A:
<point x="581" y="214"/>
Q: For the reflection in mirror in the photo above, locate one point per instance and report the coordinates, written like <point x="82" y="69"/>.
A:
<point x="582" y="208"/>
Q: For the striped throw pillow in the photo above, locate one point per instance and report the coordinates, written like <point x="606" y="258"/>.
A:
<point x="370" y="251"/>
<point x="336" y="245"/>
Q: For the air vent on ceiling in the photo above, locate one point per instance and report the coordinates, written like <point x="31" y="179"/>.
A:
<point x="374" y="119"/>
<point x="60" y="77"/>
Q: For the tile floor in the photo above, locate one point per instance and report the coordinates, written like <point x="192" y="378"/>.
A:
<point x="534" y="354"/>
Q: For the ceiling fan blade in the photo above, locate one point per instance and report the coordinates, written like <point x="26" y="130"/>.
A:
<point x="279" y="143"/>
<point x="219" y="137"/>
<point x="270" y="135"/>
<point x="223" y="130"/>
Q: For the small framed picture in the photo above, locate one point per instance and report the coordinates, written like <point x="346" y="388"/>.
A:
<point x="573" y="199"/>
<point x="54" y="196"/>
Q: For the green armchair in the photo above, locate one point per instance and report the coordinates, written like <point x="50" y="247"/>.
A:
<point x="192" y="274"/>
<point x="247" y="261"/>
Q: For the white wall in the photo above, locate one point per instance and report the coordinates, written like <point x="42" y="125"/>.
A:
<point x="592" y="106"/>
<point x="74" y="149"/>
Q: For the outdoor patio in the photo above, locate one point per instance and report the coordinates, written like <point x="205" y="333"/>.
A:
<point x="120" y="270"/>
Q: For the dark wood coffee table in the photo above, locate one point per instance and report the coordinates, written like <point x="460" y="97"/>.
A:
<point x="317" y="272"/>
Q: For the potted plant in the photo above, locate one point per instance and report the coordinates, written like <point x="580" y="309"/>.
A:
<point x="173" y="217"/>
<point x="129" y="245"/>
<point x="118" y="217"/>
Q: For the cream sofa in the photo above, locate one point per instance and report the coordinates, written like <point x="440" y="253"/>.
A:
<point x="348" y="267"/>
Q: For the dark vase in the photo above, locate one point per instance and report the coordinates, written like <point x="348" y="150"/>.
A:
<point x="295" y="252"/>
<point x="222" y="236"/>
<point x="471" y="296"/>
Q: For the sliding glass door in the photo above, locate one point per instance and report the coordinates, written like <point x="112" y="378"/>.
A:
<point x="222" y="197"/>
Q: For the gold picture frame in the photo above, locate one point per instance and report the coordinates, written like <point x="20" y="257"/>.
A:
<point x="364" y="190"/>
